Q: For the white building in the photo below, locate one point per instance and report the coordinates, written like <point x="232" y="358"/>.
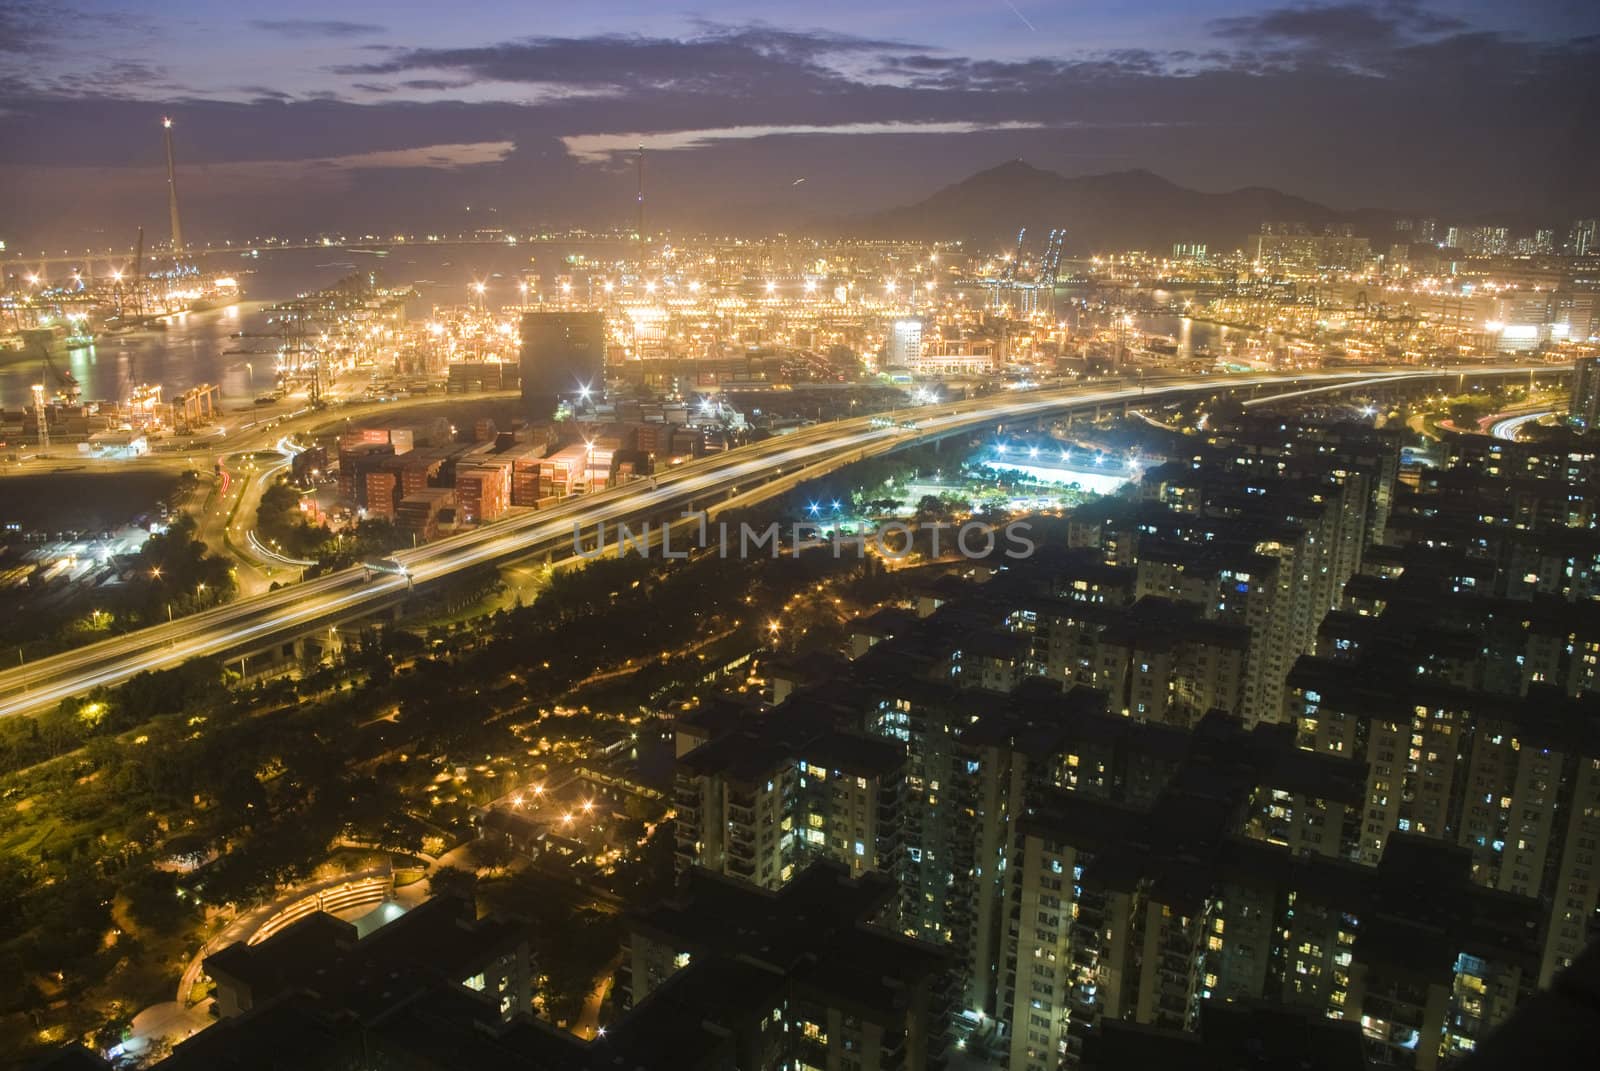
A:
<point x="904" y="344"/>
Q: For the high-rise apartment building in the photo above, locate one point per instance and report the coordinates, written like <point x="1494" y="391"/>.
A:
<point x="1276" y="729"/>
<point x="903" y="347"/>
<point x="1584" y="405"/>
<point x="1581" y="239"/>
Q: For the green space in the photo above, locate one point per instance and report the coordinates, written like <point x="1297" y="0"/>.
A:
<point x="387" y="749"/>
<point x="283" y="525"/>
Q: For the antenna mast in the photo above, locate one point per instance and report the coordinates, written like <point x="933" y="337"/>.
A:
<point x="639" y="225"/>
<point x="172" y="189"/>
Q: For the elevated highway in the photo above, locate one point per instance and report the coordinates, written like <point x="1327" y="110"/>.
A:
<point x="259" y="622"/>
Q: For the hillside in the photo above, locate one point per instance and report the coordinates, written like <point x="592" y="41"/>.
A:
<point x="1114" y="211"/>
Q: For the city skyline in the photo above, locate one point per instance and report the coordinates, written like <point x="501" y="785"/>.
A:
<point x="488" y="115"/>
<point x="952" y="536"/>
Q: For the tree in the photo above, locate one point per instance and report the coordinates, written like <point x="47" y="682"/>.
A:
<point x="492" y="853"/>
<point x="177" y="575"/>
<point x="154" y="902"/>
<point x="932" y="508"/>
<point x="453" y="881"/>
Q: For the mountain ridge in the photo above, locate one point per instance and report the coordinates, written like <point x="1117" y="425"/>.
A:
<point x="1105" y="212"/>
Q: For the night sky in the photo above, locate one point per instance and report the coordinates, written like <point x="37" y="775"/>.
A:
<point x="295" y="116"/>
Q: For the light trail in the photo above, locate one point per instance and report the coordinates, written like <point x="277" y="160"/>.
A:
<point x="1510" y="428"/>
<point x="272" y="555"/>
<point x="281" y="616"/>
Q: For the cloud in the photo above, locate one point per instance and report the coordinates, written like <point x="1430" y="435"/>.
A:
<point x="434" y="85"/>
<point x="1374" y="102"/>
<point x="265" y="93"/>
<point x="25" y="26"/>
<point x="302" y="29"/>
<point x="1338" y="26"/>
<point x="716" y="59"/>
<point x="602" y="148"/>
<point x="448" y="156"/>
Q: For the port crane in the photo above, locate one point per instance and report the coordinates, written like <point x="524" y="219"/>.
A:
<point x="1050" y="265"/>
<point x="1026" y="291"/>
<point x="64" y="383"/>
<point x="1010" y="274"/>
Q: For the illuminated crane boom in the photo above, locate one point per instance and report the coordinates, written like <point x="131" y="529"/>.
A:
<point x="1051" y="264"/>
<point x="1010" y="274"/>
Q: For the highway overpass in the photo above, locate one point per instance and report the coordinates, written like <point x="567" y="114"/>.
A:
<point x="260" y="622"/>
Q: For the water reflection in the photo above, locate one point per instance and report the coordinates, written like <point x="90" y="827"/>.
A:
<point x="199" y="347"/>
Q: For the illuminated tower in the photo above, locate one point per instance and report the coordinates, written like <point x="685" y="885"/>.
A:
<point x="639" y="226"/>
<point x="172" y="188"/>
<point x="41" y="416"/>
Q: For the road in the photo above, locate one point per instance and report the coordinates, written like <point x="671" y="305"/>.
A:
<point x="1509" y="428"/>
<point x="238" y="431"/>
<point x="227" y="521"/>
<point x="228" y="516"/>
<point x="256" y="623"/>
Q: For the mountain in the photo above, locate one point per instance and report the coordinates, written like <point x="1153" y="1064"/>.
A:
<point x="1111" y="212"/>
